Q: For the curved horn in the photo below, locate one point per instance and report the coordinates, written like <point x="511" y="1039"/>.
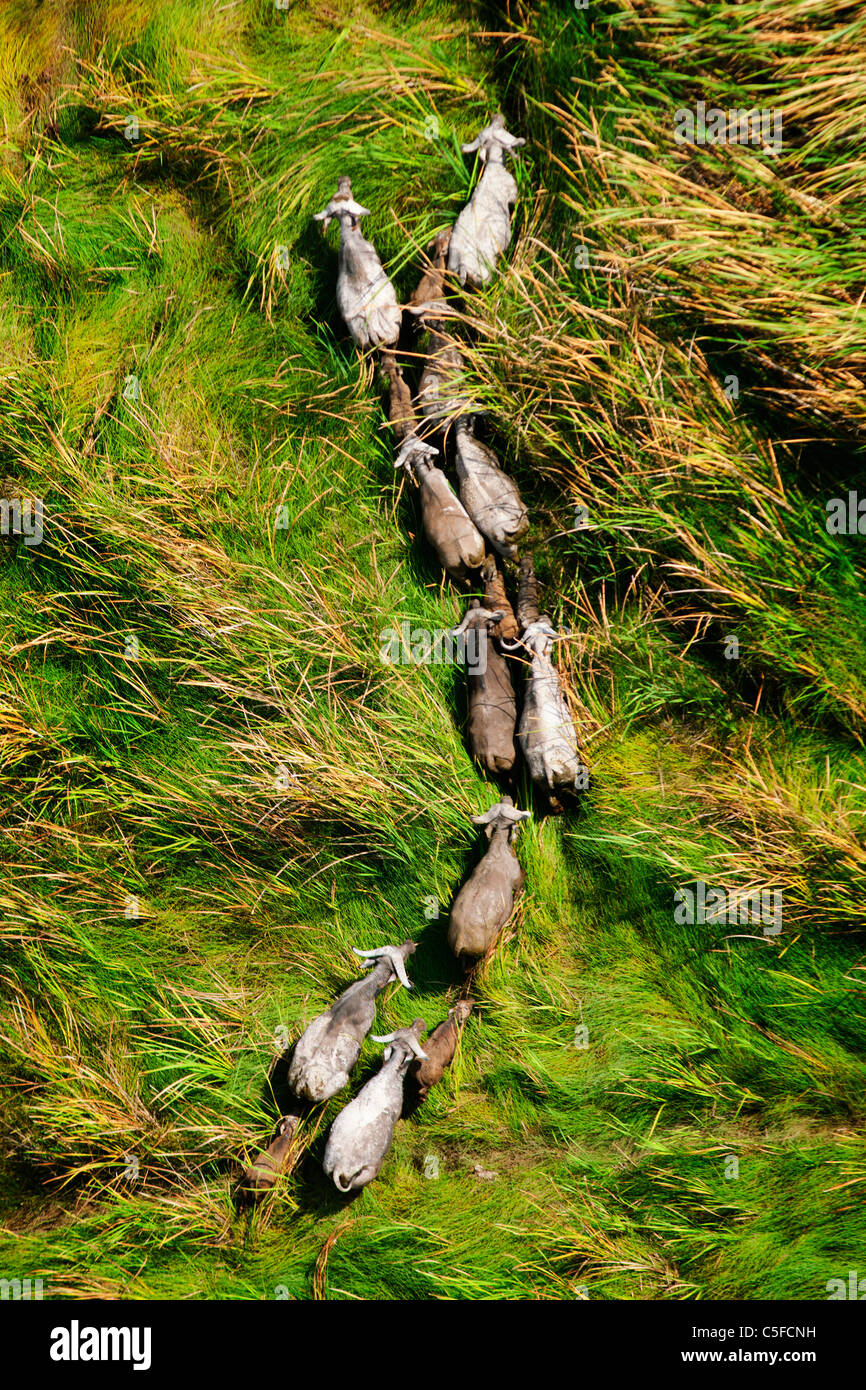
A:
<point x="497" y="131"/>
<point x="505" y="810"/>
<point x="411" y="447"/>
<point x="338" y="207"/>
<point x="403" y="1035"/>
<point x="471" y="611"/>
<point x="394" y="954"/>
<point x="477" y="610"/>
<point x="434" y="308"/>
<point x="400" y="969"/>
<point x="494" y="134"/>
<point x="511" y="142"/>
<point x="539" y="628"/>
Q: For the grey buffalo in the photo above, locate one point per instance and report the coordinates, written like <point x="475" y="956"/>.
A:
<point x="449" y="529"/>
<point x="486" y="901"/>
<point x="362" y="1133"/>
<point x="365" y="296"/>
<point x="488" y="494"/>
<point x="546" y="733"/>
<point x="483" y="229"/>
<point x="329" y="1048"/>
<point x="492" y="706"/>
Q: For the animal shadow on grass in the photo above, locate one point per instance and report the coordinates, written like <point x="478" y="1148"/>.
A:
<point x="314" y="1190"/>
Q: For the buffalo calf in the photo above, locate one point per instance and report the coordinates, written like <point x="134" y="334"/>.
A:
<point x="440" y="1048"/>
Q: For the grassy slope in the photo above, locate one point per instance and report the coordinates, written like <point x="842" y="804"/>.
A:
<point x="271" y="794"/>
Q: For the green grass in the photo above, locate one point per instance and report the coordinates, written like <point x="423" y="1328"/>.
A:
<point x="199" y="824"/>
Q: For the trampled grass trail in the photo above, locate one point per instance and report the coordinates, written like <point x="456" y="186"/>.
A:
<point x="212" y="785"/>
